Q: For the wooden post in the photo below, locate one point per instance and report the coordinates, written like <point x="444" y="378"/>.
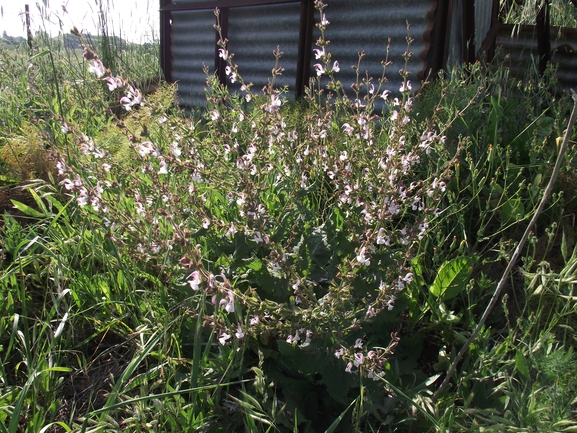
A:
<point x="543" y="30"/>
<point x="28" y="32"/>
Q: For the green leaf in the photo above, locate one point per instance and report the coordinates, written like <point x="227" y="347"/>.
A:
<point x="452" y="278"/>
<point x="37" y="56"/>
<point x="521" y="364"/>
<point x="320" y="249"/>
<point x="564" y="247"/>
<point x="26" y="210"/>
<point x="512" y="210"/>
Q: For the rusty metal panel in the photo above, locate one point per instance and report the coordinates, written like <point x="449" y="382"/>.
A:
<point x="366" y="25"/>
<point x="518" y="51"/>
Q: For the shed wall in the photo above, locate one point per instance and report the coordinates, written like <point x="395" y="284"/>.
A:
<point x="518" y="51"/>
<point x="255" y="31"/>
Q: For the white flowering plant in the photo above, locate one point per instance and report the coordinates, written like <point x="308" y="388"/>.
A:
<point x="292" y="222"/>
<point x="266" y="263"/>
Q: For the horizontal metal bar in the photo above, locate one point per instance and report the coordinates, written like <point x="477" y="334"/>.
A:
<point x="221" y="4"/>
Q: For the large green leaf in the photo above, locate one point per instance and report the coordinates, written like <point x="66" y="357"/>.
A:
<point x="452" y="278"/>
<point x="27" y="210"/>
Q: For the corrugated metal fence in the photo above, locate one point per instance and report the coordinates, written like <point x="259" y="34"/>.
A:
<point x="444" y="32"/>
<point x="517" y="50"/>
<point x="255" y="28"/>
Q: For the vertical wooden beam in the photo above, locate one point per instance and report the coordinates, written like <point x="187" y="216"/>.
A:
<point x="165" y="40"/>
<point x="306" y="24"/>
<point x="28" y="31"/>
<point x="543" y="29"/>
<point x="219" y="62"/>
<point x="442" y="29"/>
<point x="468" y="31"/>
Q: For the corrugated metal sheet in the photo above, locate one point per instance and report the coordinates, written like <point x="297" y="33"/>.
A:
<point x="254" y="32"/>
<point x="483" y="16"/>
<point x="366" y="25"/>
<point x="193" y="45"/>
<point x="519" y="52"/>
<point x="455" y="43"/>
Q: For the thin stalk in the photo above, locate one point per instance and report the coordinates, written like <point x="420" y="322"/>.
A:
<point x="516" y="253"/>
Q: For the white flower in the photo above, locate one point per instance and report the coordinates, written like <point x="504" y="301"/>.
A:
<point x="162" y="166"/>
<point x="381" y="238"/>
<point x="195" y="281"/>
<point x="222" y="53"/>
<point x="394" y="208"/>
<point x="61" y="166"/>
<point x="362" y="259"/>
<point x="348" y="128"/>
<point x="133" y="97"/>
<point x="228" y="303"/>
<point x="223" y="338"/>
<point x="175" y="149"/>
<point x="406" y="87"/>
<point x="257" y="238"/>
<point x="336" y="67"/>
<point x="239" y="333"/>
<point x="319" y="53"/>
<point x="371" y="312"/>
<point x="97" y="68"/>
<point x="275" y="103"/>
<point x="114" y="83"/>
<point x="359" y="359"/>
<point x="145" y="148"/>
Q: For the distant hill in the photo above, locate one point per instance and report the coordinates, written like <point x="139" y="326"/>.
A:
<point x="12" y="40"/>
<point x="69" y="41"/>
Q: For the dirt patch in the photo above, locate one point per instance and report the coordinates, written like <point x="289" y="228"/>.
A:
<point x="87" y="388"/>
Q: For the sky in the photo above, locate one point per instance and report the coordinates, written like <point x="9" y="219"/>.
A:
<point x="134" y="20"/>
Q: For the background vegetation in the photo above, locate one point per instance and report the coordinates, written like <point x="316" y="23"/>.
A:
<point x="265" y="266"/>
